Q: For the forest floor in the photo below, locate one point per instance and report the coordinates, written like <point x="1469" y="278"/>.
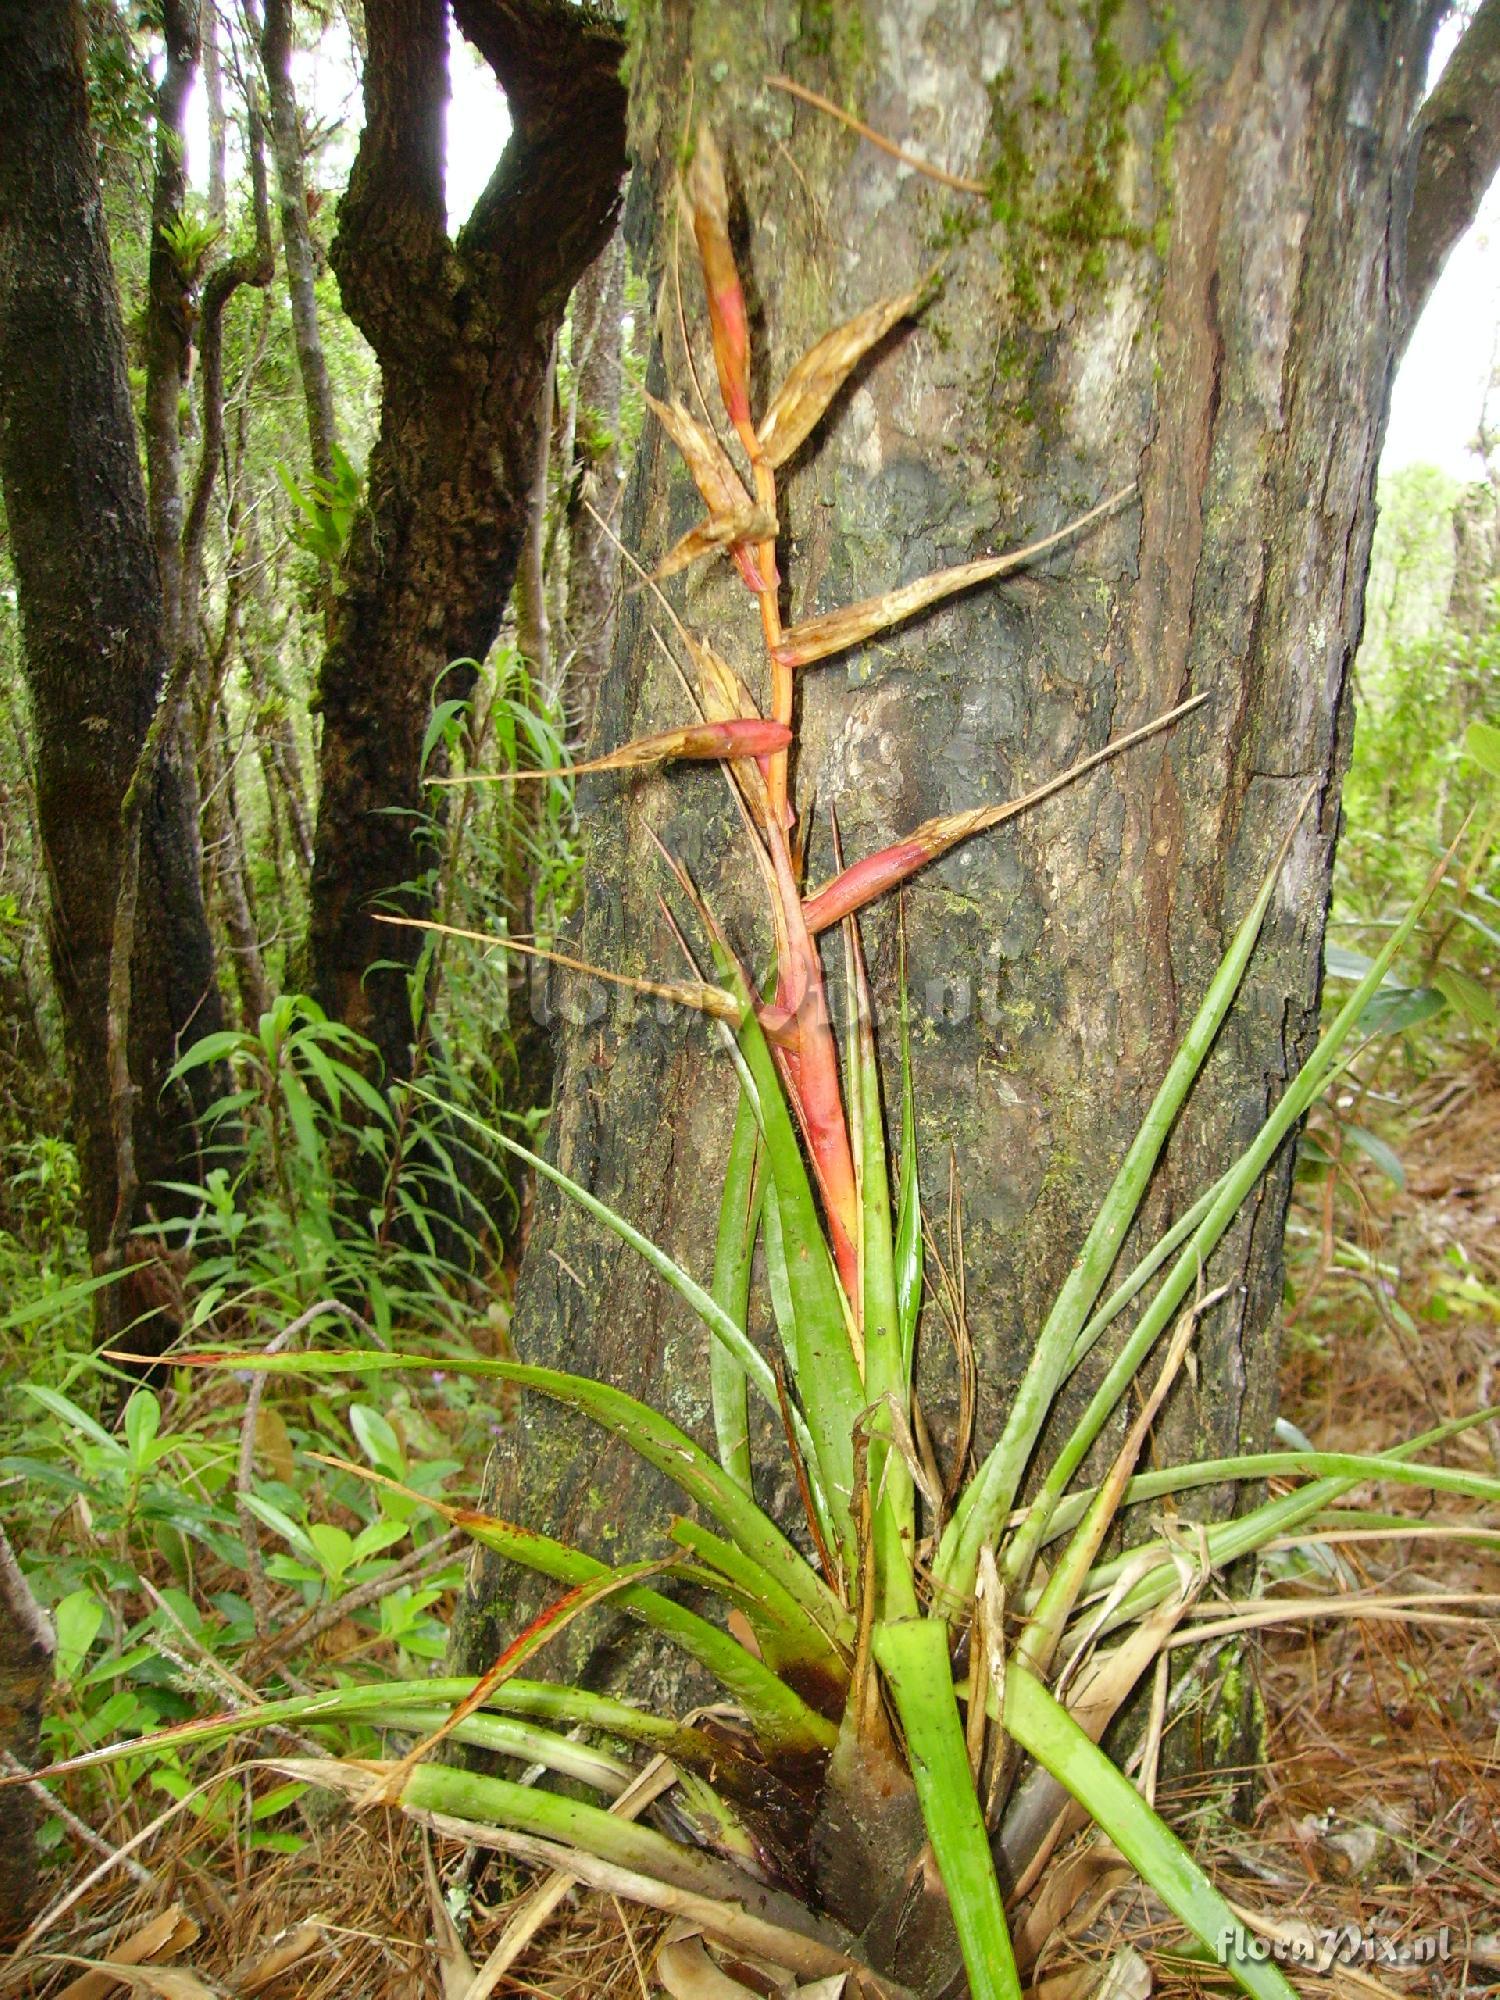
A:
<point x="1376" y="1814"/>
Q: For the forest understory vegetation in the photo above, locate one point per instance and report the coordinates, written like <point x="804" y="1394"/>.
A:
<point x="247" y="1513"/>
<point x="1377" y="1806"/>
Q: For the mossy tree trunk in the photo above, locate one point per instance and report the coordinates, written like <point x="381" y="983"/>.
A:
<point x="463" y="331"/>
<point x="97" y="645"/>
<point x="1186" y="273"/>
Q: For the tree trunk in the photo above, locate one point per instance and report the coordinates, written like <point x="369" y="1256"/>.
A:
<point x="1182" y="274"/>
<point x="533" y="615"/>
<point x="95" y="636"/>
<point x="462" y="331"/>
<point x="296" y="236"/>
<point x="218" y="128"/>
<point x="27" y="1650"/>
<point x="171" y="310"/>
<point x="593" y="562"/>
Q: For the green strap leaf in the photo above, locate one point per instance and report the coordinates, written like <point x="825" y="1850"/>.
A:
<point x="783" y="1720"/>
<point x="913" y="1655"/>
<point x="990" y="1495"/>
<point x="734" y="1254"/>
<point x="823" y="1365"/>
<point x="788" y="1637"/>
<point x="654" y="1437"/>
<point x="892" y="1494"/>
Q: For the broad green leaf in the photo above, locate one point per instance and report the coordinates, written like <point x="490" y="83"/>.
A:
<point x="377" y="1439"/>
<point x="76" y="1419"/>
<point x="215" y="1048"/>
<point x="76" y="1619"/>
<point x="1377" y="1151"/>
<point x="1396" y="1010"/>
<point x="334" y="1546"/>
<point x="1469" y="996"/>
<point x="142" y="1422"/>
<point x="276" y="1800"/>
<point x="377" y="1537"/>
<point x="1339" y="962"/>
<point x="1482" y="745"/>
<point x="281" y="1523"/>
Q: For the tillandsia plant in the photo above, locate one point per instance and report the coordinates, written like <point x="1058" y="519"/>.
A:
<point x="913" y="1693"/>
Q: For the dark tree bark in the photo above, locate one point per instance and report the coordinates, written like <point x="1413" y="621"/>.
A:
<point x="171" y="307"/>
<point x="462" y="331"/>
<point x="593" y="562"/>
<point x="27" y="1649"/>
<point x="96" y="637"/>
<point x="1186" y="274"/>
<point x="534" y="635"/>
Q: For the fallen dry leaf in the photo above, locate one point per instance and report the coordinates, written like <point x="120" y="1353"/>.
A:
<point x="684" y="1967"/>
<point x="288" y="1950"/>
<point x="164" y="1937"/>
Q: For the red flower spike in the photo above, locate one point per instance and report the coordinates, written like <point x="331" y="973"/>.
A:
<point x="808" y="1060"/>
<point x="867" y="879"/>
<point x="721" y="280"/>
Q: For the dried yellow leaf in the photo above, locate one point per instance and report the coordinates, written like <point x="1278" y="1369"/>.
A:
<point x="799" y="404"/>
<point x="729" y="531"/>
<point x="706" y="459"/>
<point x="722" y="695"/>
<point x="819" y="638"/>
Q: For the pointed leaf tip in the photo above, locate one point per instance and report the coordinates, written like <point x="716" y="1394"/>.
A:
<point x="709" y="199"/>
<point x="799" y="404"/>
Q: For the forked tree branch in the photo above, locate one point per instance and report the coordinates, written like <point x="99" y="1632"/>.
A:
<point x="1452" y="157"/>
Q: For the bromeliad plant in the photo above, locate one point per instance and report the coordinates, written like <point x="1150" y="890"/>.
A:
<point x="913" y="1709"/>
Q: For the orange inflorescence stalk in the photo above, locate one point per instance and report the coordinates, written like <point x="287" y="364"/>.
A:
<point x="742" y="521"/>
